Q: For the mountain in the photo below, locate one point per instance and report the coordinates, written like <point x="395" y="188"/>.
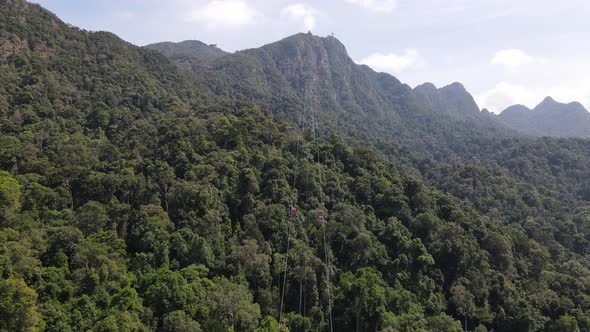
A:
<point x="136" y="196"/>
<point x="307" y="66"/>
<point x="549" y="118"/>
<point x="188" y="50"/>
<point x="329" y="89"/>
<point x="455" y="101"/>
<point x="452" y="99"/>
<point x="437" y="133"/>
<point x="312" y="81"/>
<point x="50" y="68"/>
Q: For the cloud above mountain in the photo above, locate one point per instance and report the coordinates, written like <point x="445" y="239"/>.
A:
<point x="393" y="63"/>
<point x="384" y="6"/>
<point x="514" y="57"/>
<point x="224" y="13"/>
<point x="505" y="94"/>
<point x="303" y="13"/>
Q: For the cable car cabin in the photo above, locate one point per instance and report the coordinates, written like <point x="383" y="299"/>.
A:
<point x="293" y="212"/>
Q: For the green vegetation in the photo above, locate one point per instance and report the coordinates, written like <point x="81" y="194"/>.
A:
<point x="132" y="200"/>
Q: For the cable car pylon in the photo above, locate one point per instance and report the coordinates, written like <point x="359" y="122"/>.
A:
<point x="292" y="212"/>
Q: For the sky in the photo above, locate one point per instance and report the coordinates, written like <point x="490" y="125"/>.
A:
<point x="504" y="52"/>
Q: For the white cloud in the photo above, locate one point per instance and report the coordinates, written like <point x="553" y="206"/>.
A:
<point x="506" y="94"/>
<point x="224" y="13"/>
<point x="393" y="63"/>
<point x="303" y="12"/>
<point x="384" y="6"/>
<point x="513" y="57"/>
<point x="580" y="92"/>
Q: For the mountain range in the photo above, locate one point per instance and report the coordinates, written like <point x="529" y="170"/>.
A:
<point x="349" y="85"/>
<point x="549" y="118"/>
<point x="178" y="187"/>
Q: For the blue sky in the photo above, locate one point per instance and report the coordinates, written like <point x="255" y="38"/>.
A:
<point x="503" y="51"/>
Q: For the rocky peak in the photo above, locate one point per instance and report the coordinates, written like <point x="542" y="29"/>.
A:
<point x="548" y="102"/>
<point x="452" y="99"/>
<point x="456" y="87"/>
<point x="426" y="89"/>
<point x="550" y="105"/>
<point x="515" y="109"/>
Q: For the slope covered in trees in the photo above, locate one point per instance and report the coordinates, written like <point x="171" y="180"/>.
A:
<point x="305" y="71"/>
<point x="425" y="125"/>
<point x="131" y="200"/>
<point x="439" y="132"/>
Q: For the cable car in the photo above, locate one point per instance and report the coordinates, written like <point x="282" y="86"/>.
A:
<point x="322" y="216"/>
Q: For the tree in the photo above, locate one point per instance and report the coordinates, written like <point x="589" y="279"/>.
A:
<point x="256" y="265"/>
<point x="234" y="305"/>
<point x="268" y="324"/>
<point x="119" y="321"/>
<point x="18" y="307"/>
<point x="92" y="218"/>
<point x="149" y="232"/>
<point x="165" y="291"/>
<point x="566" y="323"/>
<point x="9" y="196"/>
<point x="179" y="321"/>
<point x="463" y="301"/>
<point x="364" y="293"/>
<point x="444" y="323"/>
<point x="10" y="148"/>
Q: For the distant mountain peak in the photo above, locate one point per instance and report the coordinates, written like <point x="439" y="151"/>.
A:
<point x="517" y="108"/>
<point x="428" y="86"/>
<point x="549" y="118"/>
<point x="455" y="86"/>
<point x="548" y="101"/>
<point x="575" y="104"/>
<point x="308" y="40"/>
<point x="550" y="105"/>
<point x="452" y="99"/>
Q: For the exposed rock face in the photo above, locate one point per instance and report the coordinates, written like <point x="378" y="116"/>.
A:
<point x="452" y="99"/>
<point x="308" y="66"/>
<point x="318" y="74"/>
<point x="455" y="102"/>
<point x="315" y="72"/>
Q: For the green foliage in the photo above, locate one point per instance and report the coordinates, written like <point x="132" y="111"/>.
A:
<point x="18" y="307"/>
<point x="233" y="305"/>
<point x="9" y="196"/>
<point x="131" y="200"/>
<point x="178" y="321"/>
<point x="268" y="324"/>
<point x="366" y="296"/>
<point x="119" y="321"/>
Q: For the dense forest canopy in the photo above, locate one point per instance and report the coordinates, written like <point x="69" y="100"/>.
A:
<point x="136" y="195"/>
